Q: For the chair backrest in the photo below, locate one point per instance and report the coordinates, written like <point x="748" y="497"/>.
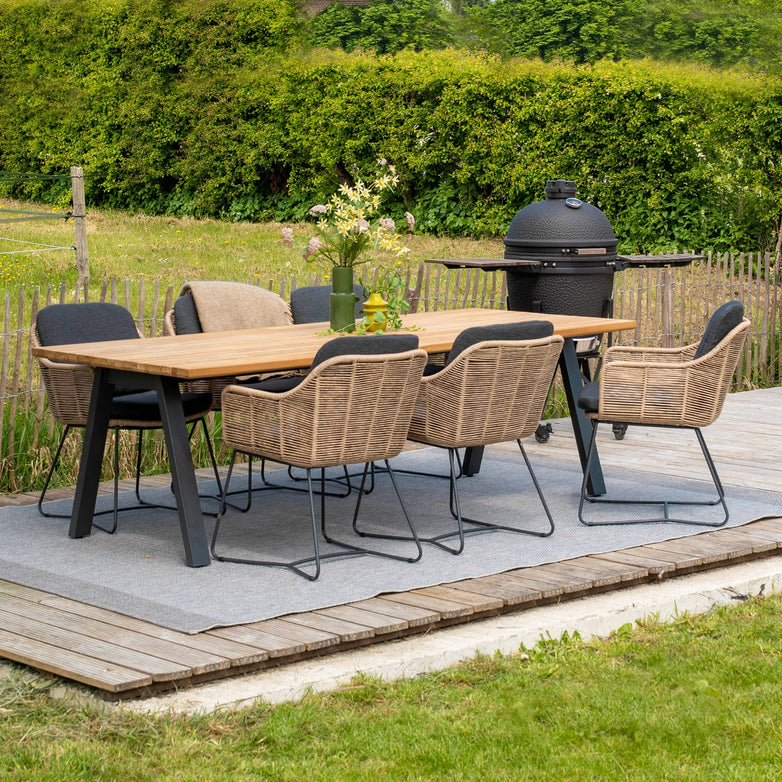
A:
<point x="532" y="329"/>
<point x="99" y="321"/>
<point x="721" y="323"/>
<point x="352" y="409"/>
<point x="371" y="345"/>
<point x="493" y="391"/>
<point x="310" y="304"/>
<point x="186" y="316"/>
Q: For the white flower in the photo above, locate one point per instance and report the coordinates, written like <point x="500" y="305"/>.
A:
<point x="387" y="223"/>
<point x="410" y="221"/>
<point x="287" y="235"/>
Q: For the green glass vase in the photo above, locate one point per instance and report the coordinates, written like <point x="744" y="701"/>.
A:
<point x="342" y="303"/>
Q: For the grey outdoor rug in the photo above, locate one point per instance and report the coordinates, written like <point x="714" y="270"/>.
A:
<point x="140" y="570"/>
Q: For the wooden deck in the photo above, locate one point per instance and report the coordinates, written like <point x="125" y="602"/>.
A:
<point x="122" y="657"/>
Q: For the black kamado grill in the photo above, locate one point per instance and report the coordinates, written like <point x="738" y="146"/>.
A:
<point x="570" y="250"/>
<point x="560" y="258"/>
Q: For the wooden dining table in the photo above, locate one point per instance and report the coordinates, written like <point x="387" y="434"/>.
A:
<point x="161" y="363"/>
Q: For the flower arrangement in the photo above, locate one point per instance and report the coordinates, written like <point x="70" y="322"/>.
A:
<point x="349" y="232"/>
<point x="348" y="226"/>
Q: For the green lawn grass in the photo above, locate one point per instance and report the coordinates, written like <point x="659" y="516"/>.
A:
<point x="177" y="249"/>
<point x="696" y="699"/>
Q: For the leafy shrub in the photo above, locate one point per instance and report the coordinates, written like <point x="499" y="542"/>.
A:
<point x="209" y="108"/>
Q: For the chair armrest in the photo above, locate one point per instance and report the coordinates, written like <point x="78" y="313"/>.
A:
<point x="647" y="354"/>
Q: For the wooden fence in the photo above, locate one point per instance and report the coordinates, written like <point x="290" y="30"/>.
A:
<point x="671" y="307"/>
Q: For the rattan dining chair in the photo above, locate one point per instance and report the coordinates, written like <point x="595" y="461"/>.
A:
<point x="682" y="388"/>
<point x="69" y="389"/>
<point x="492" y="389"/>
<point x="350" y="409"/>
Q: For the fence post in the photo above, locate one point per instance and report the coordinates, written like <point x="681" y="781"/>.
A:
<point x="80" y="227"/>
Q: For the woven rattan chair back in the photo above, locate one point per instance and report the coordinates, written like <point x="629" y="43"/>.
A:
<point x="492" y="392"/>
<point x="348" y="410"/>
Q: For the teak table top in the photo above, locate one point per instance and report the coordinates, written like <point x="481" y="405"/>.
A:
<point x="220" y="353"/>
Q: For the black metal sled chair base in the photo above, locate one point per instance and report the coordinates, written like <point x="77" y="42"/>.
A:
<point x="347" y="549"/>
<point x="665" y="503"/>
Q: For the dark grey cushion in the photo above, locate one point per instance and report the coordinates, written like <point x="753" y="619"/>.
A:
<point x="721" y="323"/>
<point x="310" y="304"/>
<point x="71" y="324"/>
<point x="186" y="316"/>
<point x="373" y="345"/>
<point x="531" y="329"/>
<point x="274" y="385"/>
<point x="589" y="397"/>
<point x="143" y="406"/>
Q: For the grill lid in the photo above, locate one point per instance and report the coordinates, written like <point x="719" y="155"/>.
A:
<point x="561" y="228"/>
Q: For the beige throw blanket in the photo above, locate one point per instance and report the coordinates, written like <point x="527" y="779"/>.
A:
<point x="226" y="306"/>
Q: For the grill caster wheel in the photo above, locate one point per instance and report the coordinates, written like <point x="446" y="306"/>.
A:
<point x="619" y="430"/>
<point x="543" y="432"/>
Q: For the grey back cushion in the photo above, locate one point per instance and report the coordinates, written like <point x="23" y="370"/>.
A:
<point x="365" y="346"/>
<point x="310" y="304"/>
<point x="186" y="316"/>
<point x="721" y="323"/>
<point x="531" y="329"/>
<point x="99" y="321"/>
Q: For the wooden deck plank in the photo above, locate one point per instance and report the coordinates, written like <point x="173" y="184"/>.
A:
<point x="345" y="631"/>
<point x="447" y="609"/>
<point x="199" y="662"/>
<point x="653" y="565"/>
<point x="478" y="603"/>
<point x="70" y="665"/>
<point x="99" y="650"/>
<point x="552" y="573"/>
<point x="381" y="624"/>
<point x="237" y="653"/>
<point x="413" y="615"/>
<point x="311" y="637"/>
<point x="272" y="645"/>
<point x="624" y="570"/>
<point x="510" y="591"/>
<point x="538" y="583"/>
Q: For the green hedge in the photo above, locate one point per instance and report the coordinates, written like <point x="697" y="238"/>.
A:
<point x="210" y="108"/>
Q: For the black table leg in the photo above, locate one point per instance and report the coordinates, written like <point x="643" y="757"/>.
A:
<point x="92" y="456"/>
<point x="582" y="426"/>
<point x="172" y="415"/>
<point x="191" y="519"/>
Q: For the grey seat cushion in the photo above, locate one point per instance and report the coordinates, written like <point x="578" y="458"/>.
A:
<point x="589" y="397"/>
<point x="71" y="324"/>
<point x="721" y="323"/>
<point x="186" y="316"/>
<point x="531" y="329"/>
<point x="143" y="406"/>
<point x="311" y="303"/>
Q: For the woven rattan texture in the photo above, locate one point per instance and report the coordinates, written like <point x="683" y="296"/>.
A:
<point x="348" y="410"/>
<point x="493" y="392"/>
<point x="668" y="386"/>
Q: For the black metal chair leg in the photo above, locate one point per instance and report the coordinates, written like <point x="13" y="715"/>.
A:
<point x="49" y="478"/>
<point x="665" y="503"/>
<point x="360" y="549"/>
